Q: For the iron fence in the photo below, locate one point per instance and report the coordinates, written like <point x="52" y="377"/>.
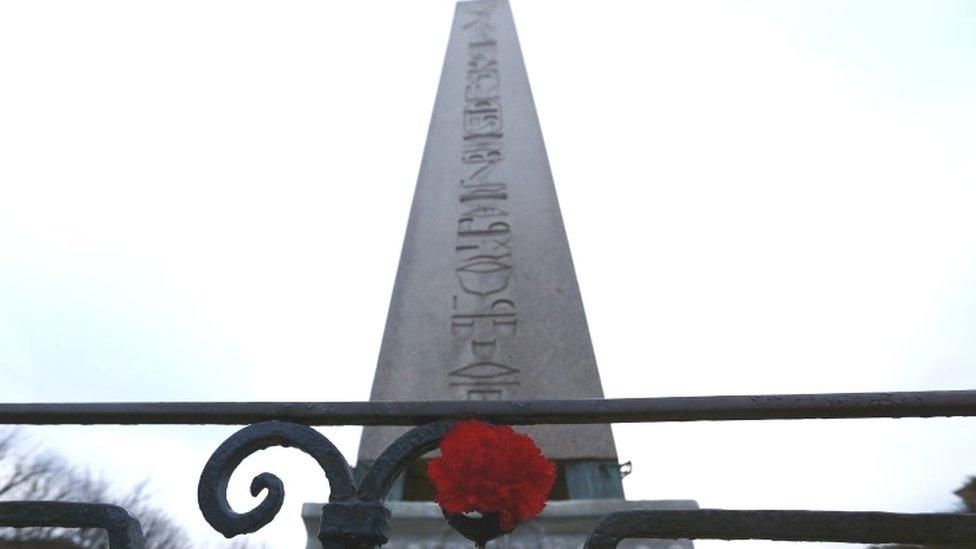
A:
<point x="356" y="516"/>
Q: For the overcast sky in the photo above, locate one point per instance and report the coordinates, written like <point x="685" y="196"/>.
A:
<point x="205" y="200"/>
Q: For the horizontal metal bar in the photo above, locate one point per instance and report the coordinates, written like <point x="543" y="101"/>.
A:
<point x="626" y="410"/>
<point x="124" y="532"/>
<point x="835" y="526"/>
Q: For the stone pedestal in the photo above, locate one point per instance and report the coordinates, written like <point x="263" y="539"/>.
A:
<point x="563" y="525"/>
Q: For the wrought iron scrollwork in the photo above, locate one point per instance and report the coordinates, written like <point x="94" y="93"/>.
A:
<point x="124" y="532"/>
<point x="365" y="521"/>
<point x="354" y="517"/>
<point x="836" y="526"/>
<point x="410" y="446"/>
<point x="212" y="489"/>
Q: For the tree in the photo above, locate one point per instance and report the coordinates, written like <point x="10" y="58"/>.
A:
<point x="27" y="473"/>
<point x="968" y="496"/>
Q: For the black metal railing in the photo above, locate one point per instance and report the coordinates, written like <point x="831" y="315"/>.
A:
<point x="356" y="517"/>
<point x="124" y="532"/>
<point x="612" y="410"/>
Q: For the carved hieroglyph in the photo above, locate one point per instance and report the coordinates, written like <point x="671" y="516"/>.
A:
<point x="486" y="304"/>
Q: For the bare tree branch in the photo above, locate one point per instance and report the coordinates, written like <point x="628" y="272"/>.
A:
<point x="29" y="474"/>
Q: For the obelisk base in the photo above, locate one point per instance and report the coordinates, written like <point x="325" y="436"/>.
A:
<point x="563" y="525"/>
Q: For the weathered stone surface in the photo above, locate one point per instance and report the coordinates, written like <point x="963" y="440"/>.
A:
<point x="563" y="525"/>
<point x="486" y="304"/>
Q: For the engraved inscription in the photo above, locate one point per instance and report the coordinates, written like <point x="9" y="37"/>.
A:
<point x="485" y="370"/>
<point x="485" y="315"/>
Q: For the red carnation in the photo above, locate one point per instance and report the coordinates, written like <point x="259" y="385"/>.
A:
<point x="491" y="469"/>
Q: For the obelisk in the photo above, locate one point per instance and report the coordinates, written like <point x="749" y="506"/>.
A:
<point x="485" y="304"/>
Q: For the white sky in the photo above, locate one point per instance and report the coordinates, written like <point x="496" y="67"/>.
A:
<point x="205" y="200"/>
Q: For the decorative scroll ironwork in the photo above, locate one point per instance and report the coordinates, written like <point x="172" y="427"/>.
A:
<point x="124" y="532"/>
<point x="212" y="489"/>
<point x="843" y="527"/>
<point x="412" y="445"/>
<point x="354" y="517"/>
<point x="365" y="521"/>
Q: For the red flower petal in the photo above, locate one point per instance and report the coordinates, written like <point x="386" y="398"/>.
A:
<point x="491" y="469"/>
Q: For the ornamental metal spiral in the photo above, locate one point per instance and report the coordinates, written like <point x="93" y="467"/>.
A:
<point x="352" y="518"/>
<point x="212" y="489"/>
<point x="410" y="446"/>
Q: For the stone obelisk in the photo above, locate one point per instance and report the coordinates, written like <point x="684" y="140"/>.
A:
<point x="485" y="304"/>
